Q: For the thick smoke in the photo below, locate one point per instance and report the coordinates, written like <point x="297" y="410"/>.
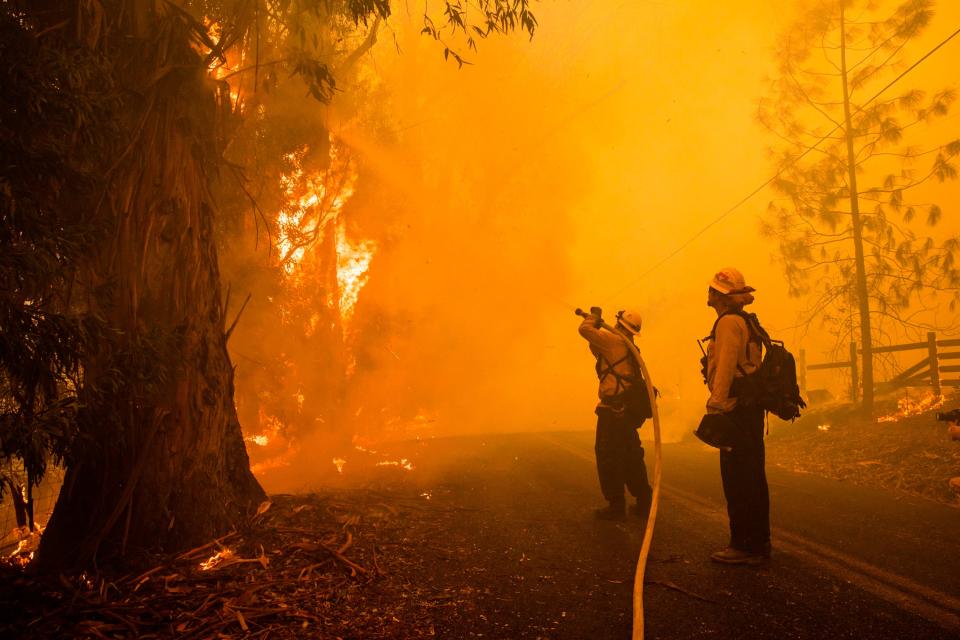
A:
<point x="585" y="167"/>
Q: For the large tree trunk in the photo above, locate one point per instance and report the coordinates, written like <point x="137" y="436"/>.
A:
<point x="165" y="466"/>
<point x="863" y="298"/>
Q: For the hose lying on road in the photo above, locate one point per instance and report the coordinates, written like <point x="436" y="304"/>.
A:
<point x="654" y="501"/>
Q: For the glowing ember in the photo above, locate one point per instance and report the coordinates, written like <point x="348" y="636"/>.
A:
<point x="339" y="462"/>
<point x="27" y="544"/>
<point x="907" y="407"/>
<point x="276" y="445"/>
<point x="403" y="464"/>
<point x="823" y="427"/>
<point x="216" y="559"/>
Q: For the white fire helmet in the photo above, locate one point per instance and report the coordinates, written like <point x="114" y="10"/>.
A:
<point x="729" y="281"/>
<point x="630" y="320"/>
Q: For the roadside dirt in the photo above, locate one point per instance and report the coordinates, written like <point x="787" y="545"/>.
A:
<point x="914" y="454"/>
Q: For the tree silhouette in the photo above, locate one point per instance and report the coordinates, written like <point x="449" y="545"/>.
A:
<point x="849" y="180"/>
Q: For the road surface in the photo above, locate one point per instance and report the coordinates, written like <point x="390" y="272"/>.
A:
<point x="516" y="539"/>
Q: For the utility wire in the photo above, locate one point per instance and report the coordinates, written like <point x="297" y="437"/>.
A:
<point x="767" y="182"/>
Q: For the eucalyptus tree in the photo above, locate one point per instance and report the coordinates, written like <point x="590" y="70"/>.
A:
<point x="856" y="143"/>
<point x="116" y="116"/>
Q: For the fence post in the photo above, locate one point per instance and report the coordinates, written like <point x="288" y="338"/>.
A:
<point x="802" y="370"/>
<point x="854" y="375"/>
<point x="934" y="362"/>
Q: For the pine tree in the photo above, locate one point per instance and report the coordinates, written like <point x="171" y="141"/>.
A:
<point x="848" y="178"/>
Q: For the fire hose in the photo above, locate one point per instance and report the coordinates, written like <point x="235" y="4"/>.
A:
<point x="655" y="499"/>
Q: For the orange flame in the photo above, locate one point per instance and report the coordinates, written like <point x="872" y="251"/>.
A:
<point x="28" y="542"/>
<point x="221" y="67"/>
<point x="313" y="203"/>
<point x="403" y="464"/>
<point x="216" y="559"/>
<point x="353" y="263"/>
<point x="907" y="407"/>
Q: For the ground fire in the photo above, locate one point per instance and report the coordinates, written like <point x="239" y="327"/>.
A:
<point x="907" y="406"/>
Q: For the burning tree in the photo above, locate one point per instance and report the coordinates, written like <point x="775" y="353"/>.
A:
<point x="116" y="117"/>
<point x="852" y="188"/>
<point x="299" y="344"/>
<point x="295" y="346"/>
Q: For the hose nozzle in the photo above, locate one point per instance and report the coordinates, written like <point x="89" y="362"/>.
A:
<point x="594" y="311"/>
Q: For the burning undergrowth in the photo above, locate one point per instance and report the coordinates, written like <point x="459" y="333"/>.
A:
<point x="915" y="405"/>
<point x="360" y="460"/>
<point x="297" y="351"/>
<point x="906" y="450"/>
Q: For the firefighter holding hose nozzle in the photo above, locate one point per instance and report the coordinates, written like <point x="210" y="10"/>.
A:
<point x="623" y="407"/>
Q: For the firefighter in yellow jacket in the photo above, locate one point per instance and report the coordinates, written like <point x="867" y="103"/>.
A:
<point x="618" y="448"/>
<point x="733" y="353"/>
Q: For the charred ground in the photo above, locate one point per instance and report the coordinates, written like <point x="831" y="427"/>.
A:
<point x="493" y="537"/>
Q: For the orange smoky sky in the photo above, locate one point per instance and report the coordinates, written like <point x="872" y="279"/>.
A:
<point x="566" y="171"/>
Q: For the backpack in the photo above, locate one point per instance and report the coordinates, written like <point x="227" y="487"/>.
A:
<point x="633" y="396"/>
<point x="773" y="387"/>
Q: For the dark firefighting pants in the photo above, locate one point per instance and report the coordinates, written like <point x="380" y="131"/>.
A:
<point x="620" y="459"/>
<point x="745" y="483"/>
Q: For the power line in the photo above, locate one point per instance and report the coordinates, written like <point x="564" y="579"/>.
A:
<point x="767" y="182"/>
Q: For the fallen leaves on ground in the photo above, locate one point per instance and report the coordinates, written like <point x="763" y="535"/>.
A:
<point x="305" y="566"/>
<point x="914" y="455"/>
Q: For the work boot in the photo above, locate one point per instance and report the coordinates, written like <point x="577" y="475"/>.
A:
<point x="736" y="556"/>
<point x="640" y="510"/>
<point x="611" y="512"/>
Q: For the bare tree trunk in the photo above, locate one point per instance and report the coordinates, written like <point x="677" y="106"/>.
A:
<point x="863" y="298"/>
<point x="19" y="503"/>
<point x="166" y="466"/>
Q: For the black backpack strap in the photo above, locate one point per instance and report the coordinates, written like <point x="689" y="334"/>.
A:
<point x="608" y="370"/>
<point x="753" y="325"/>
<point x="753" y="328"/>
<point x="713" y="330"/>
<point x="605" y="369"/>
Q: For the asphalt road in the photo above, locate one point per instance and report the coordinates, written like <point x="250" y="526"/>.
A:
<point x="519" y="538"/>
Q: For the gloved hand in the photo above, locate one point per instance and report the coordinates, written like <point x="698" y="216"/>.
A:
<point x="596" y="314"/>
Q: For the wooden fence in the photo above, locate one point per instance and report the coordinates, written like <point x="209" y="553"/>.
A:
<point x="933" y="369"/>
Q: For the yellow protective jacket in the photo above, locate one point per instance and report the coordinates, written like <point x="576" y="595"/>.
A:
<point x="612" y="347"/>
<point x="731" y="345"/>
